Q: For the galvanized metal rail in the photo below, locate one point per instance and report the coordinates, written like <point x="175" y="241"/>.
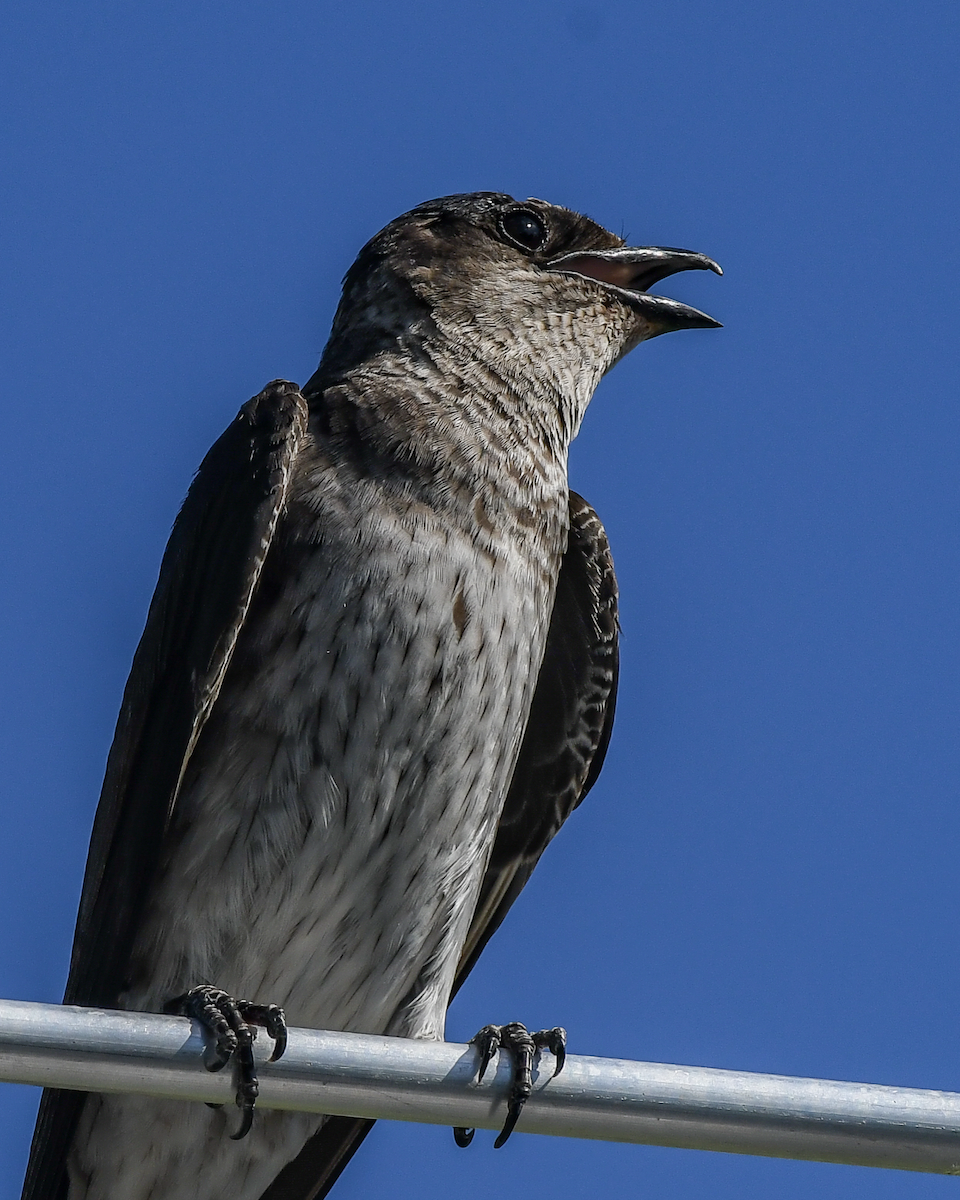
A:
<point x="435" y="1082"/>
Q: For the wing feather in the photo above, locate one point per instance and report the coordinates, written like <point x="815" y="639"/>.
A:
<point x="569" y="728"/>
<point x="210" y="571"/>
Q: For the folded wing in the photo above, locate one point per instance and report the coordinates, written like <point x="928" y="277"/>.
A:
<point x="210" y="570"/>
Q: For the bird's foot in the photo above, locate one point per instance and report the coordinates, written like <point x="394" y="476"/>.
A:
<point x="231" y="1025"/>
<point x="524" y="1045"/>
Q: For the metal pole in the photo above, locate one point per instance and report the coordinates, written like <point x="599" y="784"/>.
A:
<point x="435" y="1082"/>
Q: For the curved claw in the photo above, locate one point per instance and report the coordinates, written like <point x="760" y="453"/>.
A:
<point x="554" y="1040"/>
<point x="216" y="1060"/>
<point x="462" y="1136"/>
<point x="246" y="1124"/>
<point x="248" y="1086"/>
<point x="487" y="1042"/>
<point x="272" y="1018"/>
<point x="513" y="1115"/>
<point x="279" y="1045"/>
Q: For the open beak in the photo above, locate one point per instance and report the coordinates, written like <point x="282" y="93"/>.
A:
<point x="631" y="270"/>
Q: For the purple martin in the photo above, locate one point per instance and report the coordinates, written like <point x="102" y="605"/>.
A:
<point x="378" y="673"/>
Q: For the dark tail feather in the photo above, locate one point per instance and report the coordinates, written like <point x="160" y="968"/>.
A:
<point x="317" y="1167"/>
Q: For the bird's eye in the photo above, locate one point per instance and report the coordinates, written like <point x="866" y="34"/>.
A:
<point x="524" y="228"/>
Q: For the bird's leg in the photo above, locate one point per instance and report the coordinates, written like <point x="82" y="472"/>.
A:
<point x="232" y="1026"/>
<point x="524" y="1045"/>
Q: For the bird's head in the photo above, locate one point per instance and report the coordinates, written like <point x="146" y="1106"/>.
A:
<point x="534" y="291"/>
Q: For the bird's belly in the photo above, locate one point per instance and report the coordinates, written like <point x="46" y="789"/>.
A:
<point x="332" y="829"/>
<point x="334" y="825"/>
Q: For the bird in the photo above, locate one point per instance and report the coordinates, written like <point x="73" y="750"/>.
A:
<point x="378" y="673"/>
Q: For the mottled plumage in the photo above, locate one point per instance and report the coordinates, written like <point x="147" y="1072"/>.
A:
<point x="377" y="675"/>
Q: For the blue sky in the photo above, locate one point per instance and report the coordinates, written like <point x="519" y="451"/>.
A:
<point x="766" y="876"/>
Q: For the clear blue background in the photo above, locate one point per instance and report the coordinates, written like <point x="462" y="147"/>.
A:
<point x="766" y="876"/>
